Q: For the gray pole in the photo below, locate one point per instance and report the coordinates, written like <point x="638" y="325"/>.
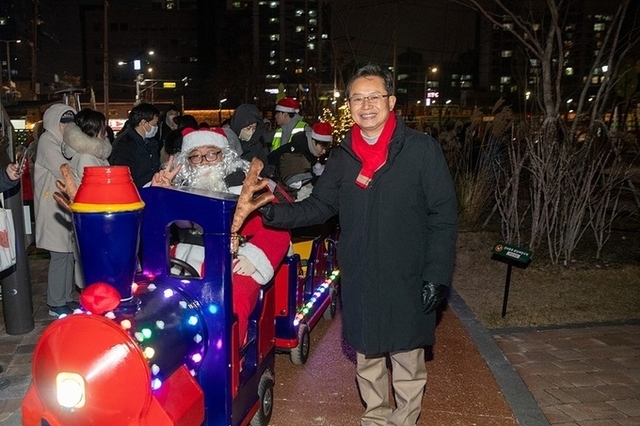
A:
<point x="16" y="282"/>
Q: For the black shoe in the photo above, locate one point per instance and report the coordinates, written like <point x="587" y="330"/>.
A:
<point x="73" y="305"/>
<point x="57" y="311"/>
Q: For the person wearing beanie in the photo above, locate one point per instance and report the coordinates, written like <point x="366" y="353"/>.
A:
<point x="296" y="165"/>
<point x="289" y="122"/>
<point x="53" y="223"/>
<point x="208" y="162"/>
<point x="392" y="191"/>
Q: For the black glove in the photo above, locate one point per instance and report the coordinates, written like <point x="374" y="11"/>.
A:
<point x="432" y="295"/>
<point x="235" y="178"/>
<point x="268" y="171"/>
<point x="267" y="212"/>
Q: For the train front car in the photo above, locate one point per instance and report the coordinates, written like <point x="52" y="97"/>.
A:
<point x="167" y="353"/>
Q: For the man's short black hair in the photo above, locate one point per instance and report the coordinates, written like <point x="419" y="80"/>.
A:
<point x="142" y="112"/>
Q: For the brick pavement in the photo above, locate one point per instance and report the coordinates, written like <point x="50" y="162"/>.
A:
<point x="586" y="376"/>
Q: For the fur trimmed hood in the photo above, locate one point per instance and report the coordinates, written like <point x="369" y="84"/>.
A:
<point x="77" y="142"/>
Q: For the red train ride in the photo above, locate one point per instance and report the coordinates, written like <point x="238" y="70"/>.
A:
<point x="168" y="351"/>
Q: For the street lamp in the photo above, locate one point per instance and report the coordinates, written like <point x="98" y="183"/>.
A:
<point x="6" y="42"/>
<point x="220" y="111"/>
<point x="137" y="67"/>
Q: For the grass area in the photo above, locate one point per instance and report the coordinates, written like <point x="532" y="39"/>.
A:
<point x="546" y="294"/>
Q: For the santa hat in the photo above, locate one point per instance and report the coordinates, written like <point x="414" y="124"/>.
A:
<point x="322" y="132"/>
<point x="288" y="105"/>
<point x="203" y="137"/>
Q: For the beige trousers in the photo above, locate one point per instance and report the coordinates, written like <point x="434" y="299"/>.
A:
<point x="409" y="377"/>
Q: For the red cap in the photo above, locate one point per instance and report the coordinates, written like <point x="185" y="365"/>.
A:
<point x="288" y="105"/>
<point x="322" y="132"/>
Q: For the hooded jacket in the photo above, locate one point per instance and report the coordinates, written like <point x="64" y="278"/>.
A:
<point x="83" y="150"/>
<point x="53" y="223"/>
<point x="243" y="116"/>
<point x="394" y="235"/>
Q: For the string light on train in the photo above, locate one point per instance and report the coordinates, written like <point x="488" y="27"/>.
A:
<point x="309" y="306"/>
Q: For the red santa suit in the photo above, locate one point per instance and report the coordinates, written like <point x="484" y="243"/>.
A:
<point x="265" y="248"/>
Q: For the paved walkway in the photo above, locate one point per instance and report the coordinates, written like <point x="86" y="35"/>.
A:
<point x="586" y="376"/>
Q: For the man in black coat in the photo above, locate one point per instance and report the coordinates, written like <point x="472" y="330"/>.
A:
<point x="136" y="146"/>
<point x="396" y="202"/>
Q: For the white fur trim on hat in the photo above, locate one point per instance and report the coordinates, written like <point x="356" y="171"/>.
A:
<point x="200" y="138"/>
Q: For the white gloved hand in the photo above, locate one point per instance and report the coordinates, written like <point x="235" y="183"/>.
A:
<point x="242" y="266"/>
<point x="318" y="168"/>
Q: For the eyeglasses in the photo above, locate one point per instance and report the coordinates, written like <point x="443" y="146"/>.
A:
<point x="210" y="156"/>
<point x="374" y="99"/>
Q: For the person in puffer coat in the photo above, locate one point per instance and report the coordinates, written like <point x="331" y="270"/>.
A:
<point x="391" y="187"/>
<point x="85" y="143"/>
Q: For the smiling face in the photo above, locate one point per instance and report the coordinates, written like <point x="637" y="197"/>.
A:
<point x="370" y="104"/>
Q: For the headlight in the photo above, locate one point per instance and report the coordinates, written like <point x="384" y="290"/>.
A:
<point x="70" y="390"/>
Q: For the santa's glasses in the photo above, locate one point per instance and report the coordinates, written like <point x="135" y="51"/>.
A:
<point x="209" y="157"/>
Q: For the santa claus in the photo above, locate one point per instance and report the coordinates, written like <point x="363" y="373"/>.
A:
<point x="207" y="162"/>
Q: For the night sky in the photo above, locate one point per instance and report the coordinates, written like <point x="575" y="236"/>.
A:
<point x="363" y="32"/>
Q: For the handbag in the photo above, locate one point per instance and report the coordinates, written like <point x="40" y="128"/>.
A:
<point x="7" y="239"/>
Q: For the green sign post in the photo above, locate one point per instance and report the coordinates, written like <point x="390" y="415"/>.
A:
<point x="512" y="256"/>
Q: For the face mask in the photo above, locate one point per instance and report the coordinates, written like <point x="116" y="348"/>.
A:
<point x="245" y="134"/>
<point x="151" y="133"/>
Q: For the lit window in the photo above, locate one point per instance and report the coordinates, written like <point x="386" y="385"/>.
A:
<point x="311" y="37"/>
<point x="325" y="36"/>
<point x="595" y="79"/>
<point x="299" y="29"/>
<point x="299" y="13"/>
<point x="274" y="4"/>
<point x="272" y="54"/>
<point x="313" y="21"/>
<point x="274" y="37"/>
<point x="505" y="80"/>
<point x="274" y="20"/>
<point x="466" y="84"/>
<point x="311" y="46"/>
<point x="600" y="26"/>
<point x="534" y="62"/>
<point x="508" y="26"/>
<point x="313" y="13"/>
<point x="272" y="62"/>
<point x="507" y="53"/>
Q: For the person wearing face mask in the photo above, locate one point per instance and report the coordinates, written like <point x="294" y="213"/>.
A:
<point x="136" y="147"/>
<point x="167" y="123"/>
<point x="245" y="133"/>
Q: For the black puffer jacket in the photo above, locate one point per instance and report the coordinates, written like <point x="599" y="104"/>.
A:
<point x="394" y="235"/>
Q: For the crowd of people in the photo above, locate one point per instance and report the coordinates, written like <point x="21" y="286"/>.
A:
<point x="388" y="184"/>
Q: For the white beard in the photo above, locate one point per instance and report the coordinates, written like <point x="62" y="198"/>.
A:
<point x="209" y="177"/>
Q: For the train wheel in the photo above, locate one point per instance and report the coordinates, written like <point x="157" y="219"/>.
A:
<point x="330" y="312"/>
<point x="265" y="393"/>
<point x="300" y="353"/>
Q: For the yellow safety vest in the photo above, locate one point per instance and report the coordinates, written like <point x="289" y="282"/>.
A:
<point x="277" y="136"/>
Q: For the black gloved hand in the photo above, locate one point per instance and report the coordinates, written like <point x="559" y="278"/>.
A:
<point x="267" y="212"/>
<point x="235" y="178"/>
<point x="432" y="295"/>
<point x="268" y="171"/>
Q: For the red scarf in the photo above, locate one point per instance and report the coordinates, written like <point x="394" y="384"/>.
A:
<point x="372" y="156"/>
